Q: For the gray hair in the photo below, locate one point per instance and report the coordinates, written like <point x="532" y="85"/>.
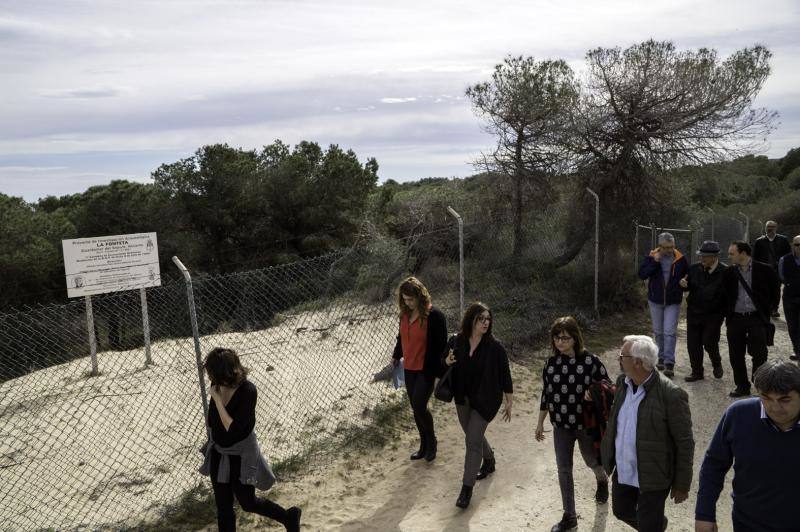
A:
<point x="771" y="222"/>
<point x="777" y="376"/>
<point x="666" y="237"/>
<point x="643" y="348"/>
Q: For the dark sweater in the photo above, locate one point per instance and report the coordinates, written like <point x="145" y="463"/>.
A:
<point x="242" y="408"/>
<point x="769" y="252"/>
<point x="483" y="377"/>
<point x="766" y="464"/>
<point x="436" y="343"/>
<point x="706" y="297"/>
<point x="565" y="380"/>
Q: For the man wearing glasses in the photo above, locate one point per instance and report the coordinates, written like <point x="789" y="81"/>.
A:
<point x="648" y="445"/>
<point x="769" y="249"/>
<point x="789" y="272"/>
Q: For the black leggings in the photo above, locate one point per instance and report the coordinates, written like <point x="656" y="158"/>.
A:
<point x="420" y="388"/>
<point x="246" y="495"/>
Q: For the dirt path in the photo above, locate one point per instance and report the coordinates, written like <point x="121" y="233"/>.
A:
<point x="382" y="490"/>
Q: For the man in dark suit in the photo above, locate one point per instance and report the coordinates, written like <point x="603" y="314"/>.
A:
<point x="747" y="317"/>
<point x="705" y="310"/>
<point x="769" y="249"/>
<point x="789" y="272"/>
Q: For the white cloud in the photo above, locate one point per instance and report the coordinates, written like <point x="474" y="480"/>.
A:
<point x="397" y="100"/>
<point x="101" y="75"/>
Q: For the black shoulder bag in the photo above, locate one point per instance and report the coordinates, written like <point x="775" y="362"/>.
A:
<point x="768" y="325"/>
<point x="444" y="388"/>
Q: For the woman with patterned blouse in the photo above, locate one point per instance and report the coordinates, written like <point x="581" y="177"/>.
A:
<point x="566" y="379"/>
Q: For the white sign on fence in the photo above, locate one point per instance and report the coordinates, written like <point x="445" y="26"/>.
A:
<point x="111" y="263"/>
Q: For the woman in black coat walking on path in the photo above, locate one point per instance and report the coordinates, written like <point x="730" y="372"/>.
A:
<point x="481" y="377"/>
<point x="421" y="344"/>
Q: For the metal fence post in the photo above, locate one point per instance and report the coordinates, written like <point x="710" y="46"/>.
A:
<point x="92" y="339"/>
<point x="596" y="243"/>
<point x="709" y="209"/>
<point x="148" y="360"/>
<point x="635" y="246"/>
<point x="196" y="334"/>
<point x="460" y="255"/>
<point x="746" y="236"/>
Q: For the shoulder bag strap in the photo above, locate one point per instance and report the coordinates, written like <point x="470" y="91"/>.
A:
<point x="750" y="293"/>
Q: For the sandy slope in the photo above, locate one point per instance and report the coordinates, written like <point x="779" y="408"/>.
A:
<point x="79" y="452"/>
<point x="384" y="491"/>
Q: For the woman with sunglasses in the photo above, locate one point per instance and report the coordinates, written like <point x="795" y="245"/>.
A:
<point x="481" y="377"/>
<point x="566" y="378"/>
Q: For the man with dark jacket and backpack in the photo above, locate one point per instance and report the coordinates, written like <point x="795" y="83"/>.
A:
<point x="752" y="289"/>
<point x="648" y="445"/>
<point x="663" y="269"/>
<point x="705" y="310"/>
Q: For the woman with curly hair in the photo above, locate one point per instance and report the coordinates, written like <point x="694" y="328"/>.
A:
<point x="420" y="343"/>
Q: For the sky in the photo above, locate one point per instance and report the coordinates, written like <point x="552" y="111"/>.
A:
<point x="99" y="90"/>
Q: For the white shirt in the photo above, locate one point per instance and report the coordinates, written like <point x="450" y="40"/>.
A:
<point x="625" y="441"/>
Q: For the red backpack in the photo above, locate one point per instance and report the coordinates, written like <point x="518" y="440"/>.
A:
<point x="596" y="412"/>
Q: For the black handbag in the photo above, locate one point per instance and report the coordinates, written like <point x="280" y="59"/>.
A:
<point x="769" y="327"/>
<point x="444" y="388"/>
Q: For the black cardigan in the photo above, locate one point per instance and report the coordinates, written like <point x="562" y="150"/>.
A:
<point x="483" y="378"/>
<point x="435" y="346"/>
<point x="766" y="287"/>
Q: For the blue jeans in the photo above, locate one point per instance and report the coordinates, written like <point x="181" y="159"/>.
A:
<point x="665" y="327"/>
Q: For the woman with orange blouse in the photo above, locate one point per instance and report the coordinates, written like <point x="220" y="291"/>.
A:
<point x="420" y="343"/>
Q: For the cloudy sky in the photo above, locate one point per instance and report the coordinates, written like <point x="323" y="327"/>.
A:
<point x="100" y="90"/>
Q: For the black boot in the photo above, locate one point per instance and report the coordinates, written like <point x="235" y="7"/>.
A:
<point x="419" y="455"/>
<point x="464" y="497"/>
<point x="487" y="468"/>
<point x="568" y="522"/>
<point x="293" y="521"/>
<point x="430" y="450"/>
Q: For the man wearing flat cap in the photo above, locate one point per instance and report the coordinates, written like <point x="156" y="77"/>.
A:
<point x="705" y="310"/>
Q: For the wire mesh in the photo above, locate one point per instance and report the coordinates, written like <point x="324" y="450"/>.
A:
<point x="83" y="451"/>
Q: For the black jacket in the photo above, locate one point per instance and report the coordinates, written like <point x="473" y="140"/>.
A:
<point x="766" y="288"/>
<point x="791" y="279"/>
<point x="436" y="343"/>
<point x="770" y="252"/>
<point x="482" y="378"/>
<point x="706" y="298"/>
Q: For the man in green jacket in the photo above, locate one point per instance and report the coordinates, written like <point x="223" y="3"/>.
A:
<point x="648" y="445"/>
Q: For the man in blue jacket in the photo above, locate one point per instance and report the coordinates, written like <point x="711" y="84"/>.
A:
<point x="760" y="437"/>
<point x="664" y="267"/>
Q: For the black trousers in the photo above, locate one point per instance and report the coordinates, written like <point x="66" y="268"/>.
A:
<point x="703" y="334"/>
<point x="419" y="388"/>
<point x="746" y="334"/>
<point x="791" y="310"/>
<point x="642" y="511"/>
<point x="246" y="495"/>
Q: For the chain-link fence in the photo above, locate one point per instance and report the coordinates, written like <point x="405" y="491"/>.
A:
<point x="84" y="451"/>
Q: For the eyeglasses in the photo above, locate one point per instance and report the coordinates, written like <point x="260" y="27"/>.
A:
<point x="483" y="319"/>
<point x="624" y="356"/>
<point x="562" y="338"/>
